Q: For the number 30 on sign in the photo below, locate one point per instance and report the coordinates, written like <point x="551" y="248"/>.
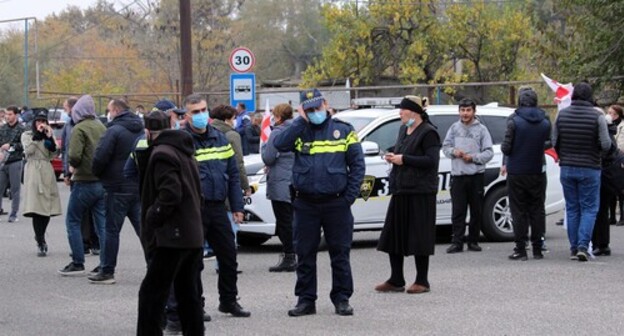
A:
<point x="242" y="60"/>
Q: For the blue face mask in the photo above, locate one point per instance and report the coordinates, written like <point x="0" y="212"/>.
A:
<point x="200" y="120"/>
<point x="317" y="117"/>
<point x="409" y="123"/>
<point x="177" y="125"/>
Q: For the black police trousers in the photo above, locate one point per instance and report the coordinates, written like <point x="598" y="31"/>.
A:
<point x="218" y="233"/>
<point x="335" y="219"/>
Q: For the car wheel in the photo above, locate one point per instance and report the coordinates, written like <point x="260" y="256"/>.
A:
<point x="497" y="220"/>
<point x="251" y="240"/>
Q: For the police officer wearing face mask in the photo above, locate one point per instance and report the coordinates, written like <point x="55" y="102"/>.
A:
<point x="327" y="174"/>
<point x="139" y="155"/>
<point x="219" y="179"/>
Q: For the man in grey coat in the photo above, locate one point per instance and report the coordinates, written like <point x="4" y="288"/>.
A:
<point x="279" y="173"/>
<point x="469" y="146"/>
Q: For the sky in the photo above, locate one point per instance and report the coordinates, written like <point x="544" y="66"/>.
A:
<point x="14" y="9"/>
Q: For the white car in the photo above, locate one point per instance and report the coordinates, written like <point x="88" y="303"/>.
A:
<point x="377" y="130"/>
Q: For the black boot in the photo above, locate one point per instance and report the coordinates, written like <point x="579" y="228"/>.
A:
<point x="519" y="253"/>
<point x="42" y="249"/>
<point x="287" y="263"/>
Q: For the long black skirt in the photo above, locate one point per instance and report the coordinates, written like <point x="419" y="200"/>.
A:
<point x="410" y="225"/>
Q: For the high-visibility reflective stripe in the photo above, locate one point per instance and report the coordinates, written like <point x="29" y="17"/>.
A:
<point x="214" y="153"/>
<point x="327" y="146"/>
<point x="141" y="144"/>
<point x="352" y="138"/>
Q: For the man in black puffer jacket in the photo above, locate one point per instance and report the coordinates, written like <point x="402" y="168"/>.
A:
<point x="528" y="134"/>
<point x="122" y="195"/>
<point x="580" y="137"/>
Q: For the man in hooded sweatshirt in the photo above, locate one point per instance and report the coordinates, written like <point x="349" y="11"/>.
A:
<point x="122" y="194"/>
<point x="580" y="137"/>
<point x="469" y="146"/>
<point x="526" y="138"/>
<point x="87" y="191"/>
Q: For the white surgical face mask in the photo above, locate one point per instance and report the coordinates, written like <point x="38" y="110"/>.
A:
<point x="609" y="119"/>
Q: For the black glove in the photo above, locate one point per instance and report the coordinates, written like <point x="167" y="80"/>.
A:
<point x="154" y="216"/>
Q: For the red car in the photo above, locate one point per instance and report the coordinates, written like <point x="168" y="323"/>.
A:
<point x="57" y="162"/>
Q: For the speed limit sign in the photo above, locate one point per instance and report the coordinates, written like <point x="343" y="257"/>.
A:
<point x="242" y="60"/>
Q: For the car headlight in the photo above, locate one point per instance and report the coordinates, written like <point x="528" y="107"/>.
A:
<point x="256" y="179"/>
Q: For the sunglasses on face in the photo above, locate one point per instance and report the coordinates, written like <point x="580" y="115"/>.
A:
<point x="202" y="110"/>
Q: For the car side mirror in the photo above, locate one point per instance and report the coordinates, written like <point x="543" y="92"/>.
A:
<point x="370" y="148"/>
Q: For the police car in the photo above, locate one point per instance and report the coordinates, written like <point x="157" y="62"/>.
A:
<point x="377" y="129"/>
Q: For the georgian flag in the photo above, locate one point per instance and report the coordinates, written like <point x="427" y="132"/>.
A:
<point x="563" y="99"/>
<point x="265" y="127"/>
<point x="563" y="92"/>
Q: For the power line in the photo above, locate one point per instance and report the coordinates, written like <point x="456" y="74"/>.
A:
<point x="71" y="36"/>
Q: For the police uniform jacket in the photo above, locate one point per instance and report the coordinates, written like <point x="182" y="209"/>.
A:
<point x="218" y="173"/>
<point x="328" y="159"/>
<point x="135" y="166"/>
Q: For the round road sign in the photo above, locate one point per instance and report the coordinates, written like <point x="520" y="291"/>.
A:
<point x="242" y="60"/>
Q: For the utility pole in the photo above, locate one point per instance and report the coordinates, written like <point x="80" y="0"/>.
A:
<point x="186" y="50"/>
<point x="26" y="63"/>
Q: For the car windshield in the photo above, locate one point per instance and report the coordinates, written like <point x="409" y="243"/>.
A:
<point x="357" y="122"/>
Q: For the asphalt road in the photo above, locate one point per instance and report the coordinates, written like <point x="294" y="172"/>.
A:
<point x="471" y="293"/>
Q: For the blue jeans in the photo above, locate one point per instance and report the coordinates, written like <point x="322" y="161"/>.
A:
<point x="581" y="190"/>
<point x="119" y="205"/>
<point x="85" y="195"/>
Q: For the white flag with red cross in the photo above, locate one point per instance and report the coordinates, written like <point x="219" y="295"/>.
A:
<point x="563" y="92"/>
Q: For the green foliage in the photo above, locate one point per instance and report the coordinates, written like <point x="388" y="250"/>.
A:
<point x="283" y="34"/>
<point x="11" y="68"/>
<point x="113" y="49"/>
<point x="421" y="42"/>
<point x="598" y="44"/>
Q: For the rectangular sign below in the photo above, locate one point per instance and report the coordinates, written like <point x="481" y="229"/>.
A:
<point x="243" y="90"/>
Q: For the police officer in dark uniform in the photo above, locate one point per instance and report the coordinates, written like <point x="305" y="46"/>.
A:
<point x="218" y="173"/>
<point x="327" y="174"/>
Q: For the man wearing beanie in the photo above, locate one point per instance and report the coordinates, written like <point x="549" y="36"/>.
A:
<point x="526" y="138"/>
<point x="171" y="228"/>
<point x="576" y="130"/>
<point x="469" y="146"/>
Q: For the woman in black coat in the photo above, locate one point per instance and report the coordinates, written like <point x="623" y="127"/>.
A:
<point x="410" y="221"/>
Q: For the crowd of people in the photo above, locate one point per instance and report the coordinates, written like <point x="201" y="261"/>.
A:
<point x="178" y="175"/>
